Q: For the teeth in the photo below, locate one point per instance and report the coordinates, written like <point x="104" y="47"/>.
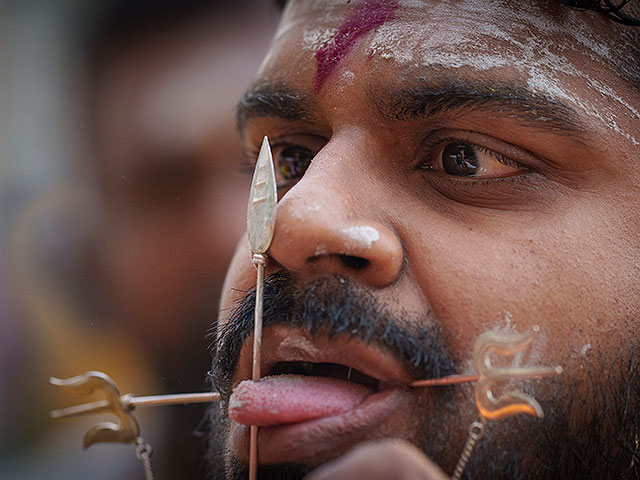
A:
<point x="292" y="368"/>
<point x="332" y="370"/>
<point x="307" y="367"/>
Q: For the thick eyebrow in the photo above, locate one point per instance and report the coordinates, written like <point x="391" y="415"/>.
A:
<point x="274" y="101"/>
<point x="422" y="99"/>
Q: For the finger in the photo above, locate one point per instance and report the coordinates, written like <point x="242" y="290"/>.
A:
<point x="388" y="459"/>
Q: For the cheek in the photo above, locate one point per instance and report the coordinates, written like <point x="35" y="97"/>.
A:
<point x="474" y="284"/>
<point x="564" y="274"/>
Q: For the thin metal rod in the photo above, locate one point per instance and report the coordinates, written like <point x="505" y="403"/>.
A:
<point x="253" y="453"/>
<point x="130" y="402"/>
<point x="257" y="327"/>
<point x="255" y="372"/>
<point x="449" y="380"/>
<point x="174" y="399"/>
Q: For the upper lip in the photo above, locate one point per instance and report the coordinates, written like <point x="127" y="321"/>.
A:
<point x="287" y="344"/>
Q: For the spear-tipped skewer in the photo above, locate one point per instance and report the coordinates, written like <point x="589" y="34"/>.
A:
<point x="261" y="216"/>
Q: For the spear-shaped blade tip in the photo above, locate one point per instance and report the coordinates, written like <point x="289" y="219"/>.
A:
<point x="261" y="210"/>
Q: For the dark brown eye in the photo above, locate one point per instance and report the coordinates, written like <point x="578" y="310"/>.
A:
<point x="459" y="159"/>
<point x="293" y="161"/>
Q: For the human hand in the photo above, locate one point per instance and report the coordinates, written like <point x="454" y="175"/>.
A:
<point x="396" y="459"/>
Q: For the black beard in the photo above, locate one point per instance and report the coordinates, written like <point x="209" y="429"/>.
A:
<point x="341" y="309"/>
<point x="591" y="429"/>
<point x="590" y="434"/>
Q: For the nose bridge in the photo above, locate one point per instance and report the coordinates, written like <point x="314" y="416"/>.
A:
<point x="324" y="225"/>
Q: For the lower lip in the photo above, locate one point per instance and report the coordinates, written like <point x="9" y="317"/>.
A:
<point x="316" y="440"/>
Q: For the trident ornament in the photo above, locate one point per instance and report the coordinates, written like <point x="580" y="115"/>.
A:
<point x="489" y="377"/>
<point x="126" y="431"/>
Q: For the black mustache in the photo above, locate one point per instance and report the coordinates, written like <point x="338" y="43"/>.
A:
<point x="339" y="307"/>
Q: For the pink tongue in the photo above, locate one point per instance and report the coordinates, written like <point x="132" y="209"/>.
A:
<point x="293" y="398"/>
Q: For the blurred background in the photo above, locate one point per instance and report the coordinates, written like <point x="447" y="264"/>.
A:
<point x="121" y="199"/>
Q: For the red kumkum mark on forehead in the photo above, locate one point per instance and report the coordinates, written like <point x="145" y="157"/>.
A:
<point x="366" y="16"/>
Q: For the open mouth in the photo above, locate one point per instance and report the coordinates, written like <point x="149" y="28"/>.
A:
<point x="318" y="394"/>
<point x="330" y="370"/>
<point x="307" y="379"/>
<point x="296" y="392"/>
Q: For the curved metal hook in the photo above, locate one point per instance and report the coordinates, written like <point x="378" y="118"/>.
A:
<point x="126" y="431"/>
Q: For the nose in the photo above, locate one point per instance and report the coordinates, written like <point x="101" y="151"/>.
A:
<point x="321" y="229"/>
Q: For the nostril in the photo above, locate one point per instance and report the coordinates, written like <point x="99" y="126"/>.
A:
<point x="354" y="263"/>
<point x="348" y="261"/>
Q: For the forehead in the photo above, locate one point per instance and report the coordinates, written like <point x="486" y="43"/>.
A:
<point x="571" y="57"/>
<point x="411" y="28"/>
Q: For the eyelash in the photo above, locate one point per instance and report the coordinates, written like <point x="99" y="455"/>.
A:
<point x="434" y="144"/>
<point x="431" y="146"/>
<point x="495" y="192"/>
<point x="248" y="163"/>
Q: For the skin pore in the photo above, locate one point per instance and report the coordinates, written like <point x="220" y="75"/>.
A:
<point x="491" y="148"/>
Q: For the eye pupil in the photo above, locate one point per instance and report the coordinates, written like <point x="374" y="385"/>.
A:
<point x="459" y="159"/>
<point x="293" y="161"/>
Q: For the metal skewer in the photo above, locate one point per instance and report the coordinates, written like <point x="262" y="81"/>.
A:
<point x="449" y="380"/>
<point x="173" y="399"/>
<point x="130" y="402"/>
<point x="261" y="215"/>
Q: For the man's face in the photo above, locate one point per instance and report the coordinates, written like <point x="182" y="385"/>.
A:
<point x="465" y="166"/>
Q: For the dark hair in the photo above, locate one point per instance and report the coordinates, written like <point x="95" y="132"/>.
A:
<point x="607" y="7"/>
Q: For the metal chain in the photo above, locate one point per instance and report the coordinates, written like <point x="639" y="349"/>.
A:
<point x="476" y="431"/>
<point x="144" y="452"/>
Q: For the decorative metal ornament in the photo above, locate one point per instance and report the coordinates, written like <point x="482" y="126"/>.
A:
<point x="126" y="431"/>
<point x="489" y="377"/>
<point x="122" y="406"/>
